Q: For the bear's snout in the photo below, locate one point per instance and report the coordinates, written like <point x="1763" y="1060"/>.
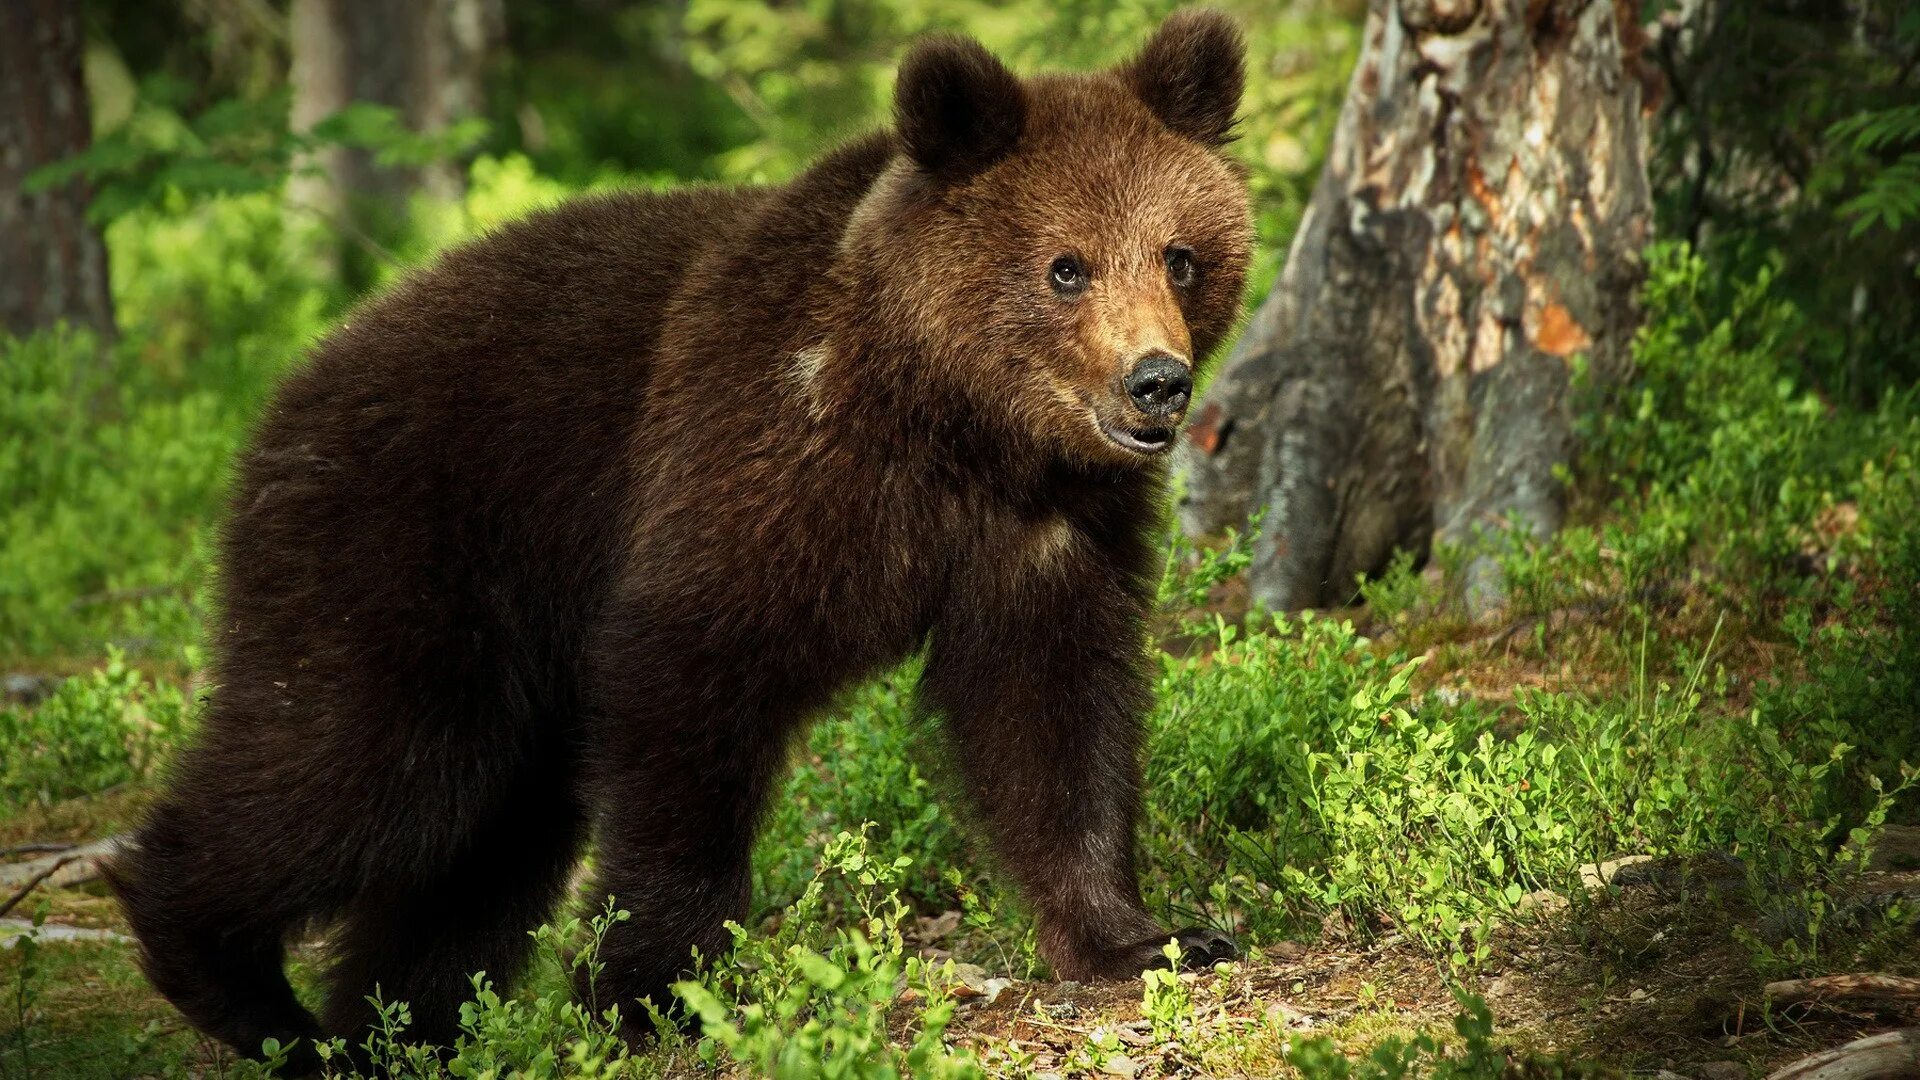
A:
<point x="1160" y="385"/>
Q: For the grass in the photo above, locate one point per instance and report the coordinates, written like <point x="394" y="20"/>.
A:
<point x="1714" y="665"/>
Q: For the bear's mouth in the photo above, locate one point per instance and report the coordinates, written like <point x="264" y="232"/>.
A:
<point x="1145" y="441"/>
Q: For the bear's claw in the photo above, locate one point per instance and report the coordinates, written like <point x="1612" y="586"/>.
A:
<point x="1201" y="948"/>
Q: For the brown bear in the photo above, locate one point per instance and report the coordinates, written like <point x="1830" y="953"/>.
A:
<point x="569" y="535"/>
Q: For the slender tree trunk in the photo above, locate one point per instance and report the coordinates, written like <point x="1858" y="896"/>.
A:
<point x="423" y="58"/>
<point x="1478" y="225"/>
<point x="53" y="265"/>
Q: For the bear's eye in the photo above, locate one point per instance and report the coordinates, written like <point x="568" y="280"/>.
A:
<point x="1069" y="278"/>
<point x="1180" y="265"/>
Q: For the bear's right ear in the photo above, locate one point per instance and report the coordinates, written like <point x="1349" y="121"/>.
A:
<point x="1192" y="73"/>
<point x="957" y="107"/>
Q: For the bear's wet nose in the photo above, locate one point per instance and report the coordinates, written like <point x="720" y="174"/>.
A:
<point x="1159" y="384"/>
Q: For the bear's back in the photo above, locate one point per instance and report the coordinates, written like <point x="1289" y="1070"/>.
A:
<point x="450" y="465"/>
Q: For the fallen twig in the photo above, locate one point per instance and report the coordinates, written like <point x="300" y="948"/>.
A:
<point x="33" y="883"/>
<point x="1836" y="987"/>
<point x="1878" y="1057"/>
<point x="76" y="866"/>
<point x="42" y="847"/>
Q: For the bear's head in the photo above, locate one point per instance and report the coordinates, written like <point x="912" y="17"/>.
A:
<point x="1064" y="250"/>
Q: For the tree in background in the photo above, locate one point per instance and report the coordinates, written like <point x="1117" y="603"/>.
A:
<point x="1477" y="229"/>
<point x="423" y="61"/>
<point x="53" y="265"/>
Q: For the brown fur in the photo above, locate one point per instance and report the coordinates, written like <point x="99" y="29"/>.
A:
<point x="570" y="534"/>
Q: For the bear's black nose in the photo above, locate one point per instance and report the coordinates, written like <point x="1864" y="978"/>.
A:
<point x="1159" y="384"/>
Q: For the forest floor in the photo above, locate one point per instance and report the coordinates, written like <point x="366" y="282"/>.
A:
<point x="1641" y="978"/>
<point x="1642" y="971"/>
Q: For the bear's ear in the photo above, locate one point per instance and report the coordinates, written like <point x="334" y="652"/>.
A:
<point x="958" y="109"/>
<point x="1191" y="74"/>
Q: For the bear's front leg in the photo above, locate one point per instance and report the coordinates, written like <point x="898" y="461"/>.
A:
<point x="1039" y="668"/>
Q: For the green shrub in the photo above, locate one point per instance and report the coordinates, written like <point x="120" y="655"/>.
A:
<point x="870" y="762"/>
<point x="97" y="730"/>
<point x="102" y="516"/>
<point x="808" y="1002"/>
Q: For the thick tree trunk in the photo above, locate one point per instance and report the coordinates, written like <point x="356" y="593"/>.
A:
<point x="53" y="265"/>
<point x="423" y="58"/>
<point x="1478" y="225"/>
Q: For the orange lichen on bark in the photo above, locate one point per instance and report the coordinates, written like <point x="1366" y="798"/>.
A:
<point x="1204" y="432"/>
<point x="1477" y="186"/>
<point x="1557" y="334"/>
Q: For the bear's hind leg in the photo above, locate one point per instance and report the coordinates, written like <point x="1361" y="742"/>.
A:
<point x="420" y="940"/>
<point x="212" y="912"/>
<point x="677" y="803"/>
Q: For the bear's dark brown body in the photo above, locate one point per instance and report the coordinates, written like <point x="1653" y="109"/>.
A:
<point x="570" y="534"/>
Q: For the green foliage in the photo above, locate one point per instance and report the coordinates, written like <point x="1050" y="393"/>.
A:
<point x="542" y="1034"/>
<point x="1166" y="1001"/>
<point x="108" y="727"/>
<point x="112" y="469"/>
<point x="1295" y="772"/>
<point x="236" y="146"/>
<point x="806" y="1002"/>
<point x="864" y="765"/>
<point x="1813" y="175"/>
<point x="1890" y="190"/>
<point x="16" y="1053"/>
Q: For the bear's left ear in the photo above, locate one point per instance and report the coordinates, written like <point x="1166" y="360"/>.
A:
<point x="1191" y="74"/>
<point x="957" y="107"/>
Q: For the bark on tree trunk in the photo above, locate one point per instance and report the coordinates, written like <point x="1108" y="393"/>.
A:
<point x="423" y="58"/>
<point x="53" y="265"/>
<point x="1478" y="224"/>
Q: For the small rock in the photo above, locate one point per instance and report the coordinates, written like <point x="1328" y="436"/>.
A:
<point x="970" y="981"/>
<point x="1542" y="902"/>
<point x="1896" y="848"/>
<point x="1600" y="875"/>
<point x="26" y="689"/>
<point x="1282" y="1015"/>
<point x="993" y="989"/>
<point x="1715" y="869"/>
<point x="1637" y="994"/>
<point x="938" y="926"/>
<point x="1290" y="951"/>
<point x="1720" y="1070"/>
